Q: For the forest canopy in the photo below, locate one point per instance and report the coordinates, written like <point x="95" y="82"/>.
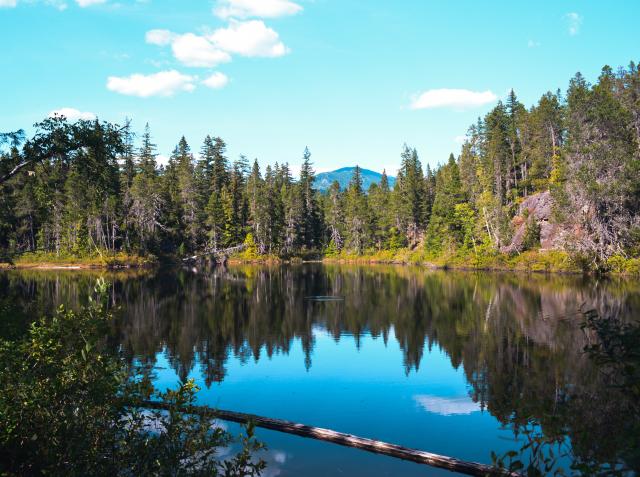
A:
<point x="562" y="174"/>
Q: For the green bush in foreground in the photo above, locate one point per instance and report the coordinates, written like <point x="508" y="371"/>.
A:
<point x="66" y="409"/>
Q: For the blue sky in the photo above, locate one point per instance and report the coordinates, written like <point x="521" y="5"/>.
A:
<point x="353" y="80"/>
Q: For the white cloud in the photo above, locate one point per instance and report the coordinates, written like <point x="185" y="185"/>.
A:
<point x="250" y="38"/>
<point x="575" y="22"/>
<point x="159" y="37"/>
<point x="194" y="50"/>
<point x="460" y="139"/>
<point x="391" y="169"/>
<point x="280" y="457"/>
<point x="189" y="49"/>
<point x="447" y="406"/>
<point x="255" y="8"/>
<point x="533" y="44"/>
<point x="72" y="114"/>
<point x="452" y="98"/>
<point x="216" y="81"/>
<point x="164" y="83"/>
<point x="88" y="3"/>
<point x="59" y="4"/>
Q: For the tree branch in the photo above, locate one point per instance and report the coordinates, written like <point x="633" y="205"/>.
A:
<point x="14" y="171"/>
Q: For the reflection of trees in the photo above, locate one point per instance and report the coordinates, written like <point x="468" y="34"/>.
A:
<point x="516" y="337"/>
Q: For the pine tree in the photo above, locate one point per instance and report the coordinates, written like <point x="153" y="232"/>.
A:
<point x="409" y="196"/>
<point x="382" y="217"/>
<point x="356" y="214"/>
<point x="443" y="227"/>
<point x="309" y="220"/>
<point x="188" y="197"/>
<point x="146" y="198"/>
<point x="220" y="170"/>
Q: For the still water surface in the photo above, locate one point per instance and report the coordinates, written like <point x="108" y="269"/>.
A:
<point x="439" y="361"/>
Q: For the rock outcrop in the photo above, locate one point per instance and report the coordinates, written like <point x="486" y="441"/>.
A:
<point x="538" y="208"/>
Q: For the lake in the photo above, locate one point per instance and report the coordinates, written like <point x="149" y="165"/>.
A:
<point x="440" y="361"/>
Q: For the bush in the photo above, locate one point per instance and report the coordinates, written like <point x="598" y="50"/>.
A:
<point x="67" y="407"/>
<point x="250" y="251"/>
<point x="624" y="265"/>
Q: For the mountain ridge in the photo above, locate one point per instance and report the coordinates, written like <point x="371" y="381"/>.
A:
<point x="343" y="175"/>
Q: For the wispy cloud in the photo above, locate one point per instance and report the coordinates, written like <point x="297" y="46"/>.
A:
<point x="216" y="81"/>
<point x="255" y="8"/>
<point x="452" y="98"/>
<point x="574" y="21"/>
<point x="533" y="44"/>
<point x="59" y="4"/>
<point x="72" y="114"/>
<point x="88" y="3"/>
<point x="164" y="83"/>
<point x="159" y="37"/>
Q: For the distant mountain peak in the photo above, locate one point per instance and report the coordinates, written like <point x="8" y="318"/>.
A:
<point x="343" y="176"/>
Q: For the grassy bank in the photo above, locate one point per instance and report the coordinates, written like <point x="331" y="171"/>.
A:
<point x="537" y="261"/>
<point x="547" y="261"/>
<point x="532" y="261"/>
<point x="44" y="260"/>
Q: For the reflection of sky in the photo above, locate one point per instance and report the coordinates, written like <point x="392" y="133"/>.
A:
<point x="447" y="406"/>
<point x="364" y="391"/>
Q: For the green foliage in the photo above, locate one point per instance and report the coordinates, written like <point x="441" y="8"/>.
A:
<point x="251" y="249"/>
<point x="531" y="238"/>
<point x="395" y="240"/>
<point x="332" y="250"/>
<point x="67" y="407"/>
<point x="624" y="265"/>
<point x="465" y="223"/>
<point x="89" y="189"/>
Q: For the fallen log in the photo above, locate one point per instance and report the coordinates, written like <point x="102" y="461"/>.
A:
<point x="347" y="440"/>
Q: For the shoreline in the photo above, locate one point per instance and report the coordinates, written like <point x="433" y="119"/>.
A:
<point x="557" y="263"/>
<point x="71" y="266"/>
<point x="44" y="261"/>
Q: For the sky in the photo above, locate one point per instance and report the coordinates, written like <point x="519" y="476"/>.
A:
<point x="353" y="80"/>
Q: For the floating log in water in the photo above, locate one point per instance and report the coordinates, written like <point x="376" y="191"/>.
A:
<point x="347" y="440"/>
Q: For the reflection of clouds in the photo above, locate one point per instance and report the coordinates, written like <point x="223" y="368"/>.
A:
<point x="218" y="424"/>
<point x="223" y="452"/>
<point x="273" y="458"/>
<point x="447" y="406"/>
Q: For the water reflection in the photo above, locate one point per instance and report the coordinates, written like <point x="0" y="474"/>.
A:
<point x="516" y="338"/>
<point x="447" y="406"/>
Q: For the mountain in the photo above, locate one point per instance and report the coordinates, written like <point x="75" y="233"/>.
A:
<point x="343" y="176"/>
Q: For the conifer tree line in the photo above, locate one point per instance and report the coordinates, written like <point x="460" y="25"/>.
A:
<point x="92" y="186"/>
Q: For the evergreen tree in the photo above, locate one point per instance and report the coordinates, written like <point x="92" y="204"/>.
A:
<point x="409" y="195"/>
<point x="308" y="208"/>
<point x="146" y="199"/>
<point x="356" y="214"/>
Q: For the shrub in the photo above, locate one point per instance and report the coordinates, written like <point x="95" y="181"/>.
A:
<point x="68" y="407"/>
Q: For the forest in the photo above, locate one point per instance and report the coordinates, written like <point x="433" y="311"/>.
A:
<point x="562" y="175"/>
